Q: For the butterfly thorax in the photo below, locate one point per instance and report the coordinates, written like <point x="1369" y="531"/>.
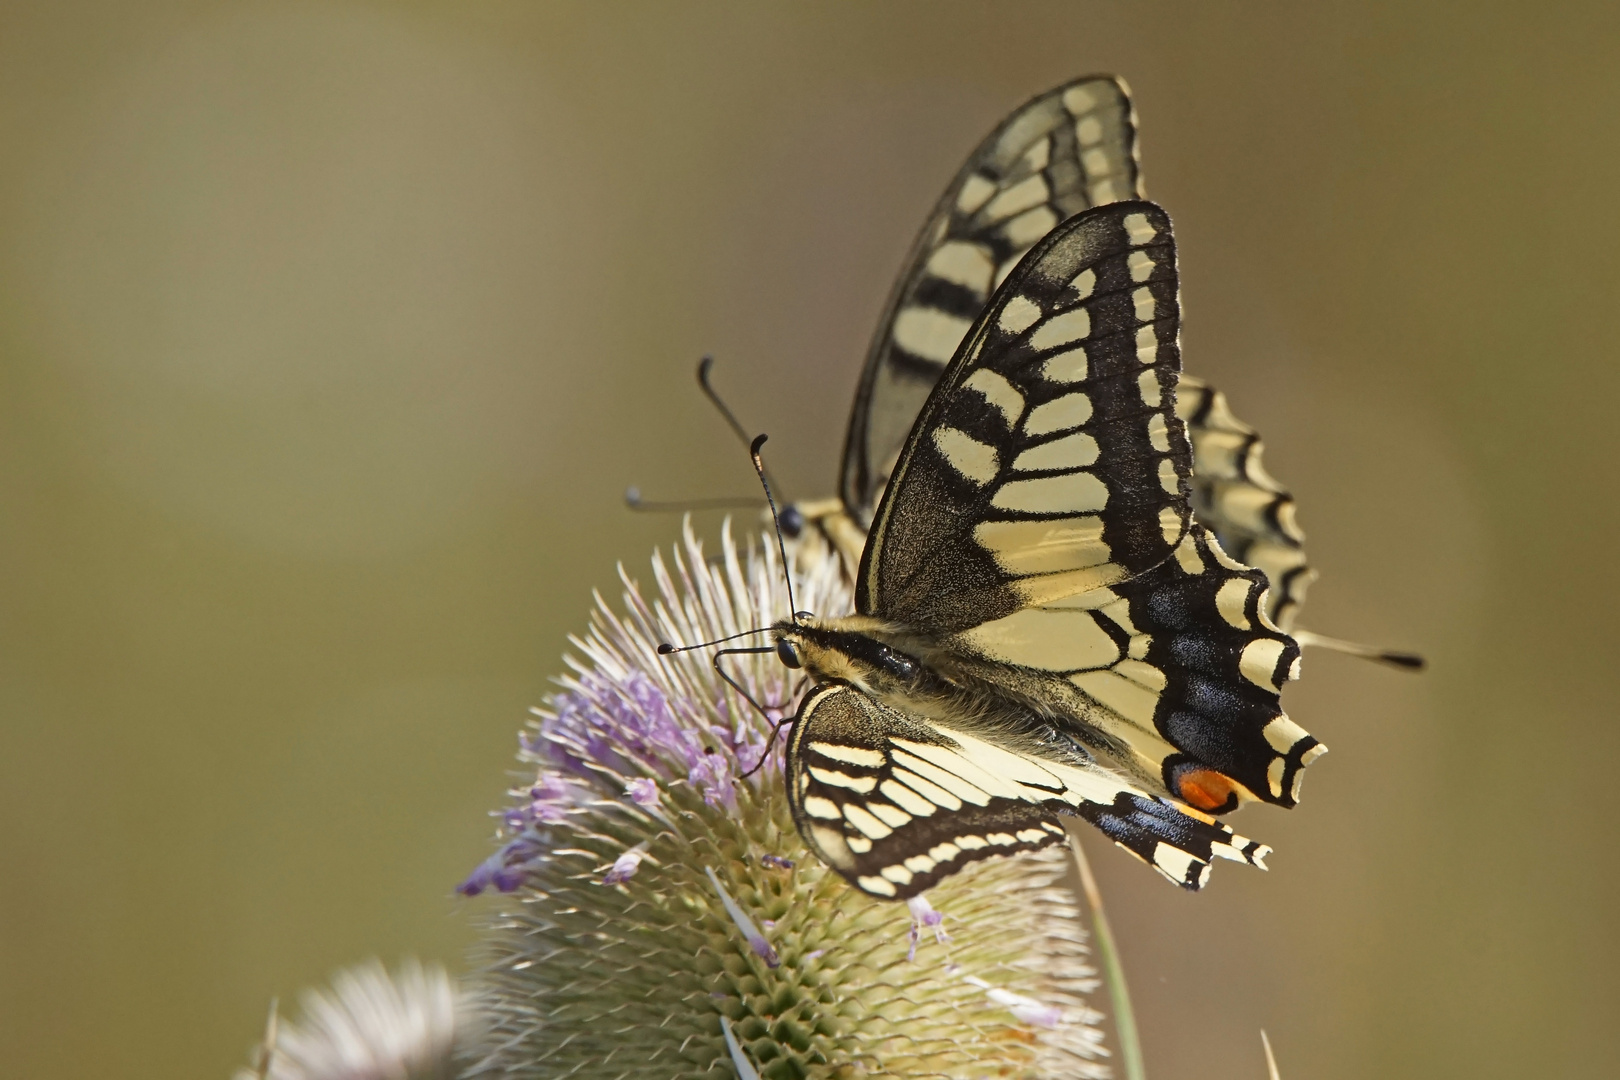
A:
<point x="907" y="670"/>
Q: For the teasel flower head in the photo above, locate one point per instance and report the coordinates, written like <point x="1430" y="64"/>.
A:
<point x="655" y="913"/>
<point x="412" y="1024"/>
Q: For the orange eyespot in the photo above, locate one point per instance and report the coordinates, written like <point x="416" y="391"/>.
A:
<point x="1206" y="789"/>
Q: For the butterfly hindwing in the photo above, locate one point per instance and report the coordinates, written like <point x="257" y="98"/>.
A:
<point x="1048" y="460"/>
<point x="895" y="803"/>
<point x="1068" y="149"/>
<point x="1251" y="513"/>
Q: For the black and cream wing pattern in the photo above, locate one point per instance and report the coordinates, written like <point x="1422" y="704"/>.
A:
<point x="1113" y="662"/>
<point x="1071" y="148"/>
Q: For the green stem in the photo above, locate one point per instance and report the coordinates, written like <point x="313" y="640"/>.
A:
<point x="1130" y="1047"/>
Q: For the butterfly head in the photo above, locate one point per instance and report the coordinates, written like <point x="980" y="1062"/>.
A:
<point x="828" y="650"/>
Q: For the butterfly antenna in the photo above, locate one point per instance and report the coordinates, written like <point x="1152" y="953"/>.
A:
<point x="776" y="520"/>
<point x="705" y="366"/>
<point x="633" y="499"/>
<point x="666" y="649"/>
<point x="1407" y="661"/>
<point x="737" y="686"/>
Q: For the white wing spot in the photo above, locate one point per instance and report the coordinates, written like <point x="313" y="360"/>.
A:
<point x="1025" y="229"/>
<point x="1095" y="161"/>
<point x="929" y="333"/>
<point x="1159" y="433"/>
<point x="1077" y="99"/>
<point x="1089" y="131"/>
<point x="1173" y="861"/>
<point x="877" y="885"/>
<point x="892" y="816"/>
<point x="858" y="784"/>
<point x="863" y="820"/>
<point x="1140" y="229"/>
<point x="818" y="807"/>
<point x="964" y="264"/>
<point x="1187" y="551"/>
<point x="1134" y="702"/>
<point x="1061" y="640"/>
<point x="1043" y="547"/>
<point x="1019" y="315"/>
<point x="1024" y="195"/>
<point x="971" y="843"/>
<point x="1259" y="664"/>
<point x="1147" y="345"/>
<point x="998" y="392"/>
<point x="897" y="874"/>
<point x="907" y="799"/>
<point x="1152" y="392"/>
<point x="1073" y="493"/>
<point x="1063" y="329"/>
<point x="1142" y="674"/>
<point x="1083" y="283"/>
<point x="1140" y="264"/>
<point x="976" y="461"/>
<point x="860" y="845"/>
<point x="1232" y="600"/>
<point x="1103" y="191"/>
<point x="1069" y="452"/>
<point x="849" y="755"/>
<point x="944" y="852"/>
<point x="920" y="864"/>
<point x="932" y="792"/>
<point x="1001" y="839"/>
<point x="1146" y="305"/>
<point x="946" y="779"/>
<point x="1032" y="836"/>
<point x="1066" y="367"/>
<point x="1274" y="775"/>
<point x="1059" y="414"/>
<point x="1168" y="478"/>
<point x="1283" y="734"/>
<point x="975" y="190"/>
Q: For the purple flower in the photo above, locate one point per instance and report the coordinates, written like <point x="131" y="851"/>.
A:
<point x="643" y="792"/>
<point x="625" y="866"/>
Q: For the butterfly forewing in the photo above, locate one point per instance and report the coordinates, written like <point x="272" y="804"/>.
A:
<point x="1071" y="148"/>
<point x="896" y="803"/>
<point x="1048" y="461"/>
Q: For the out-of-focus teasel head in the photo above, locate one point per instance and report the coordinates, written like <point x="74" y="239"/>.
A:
<point x="656" y="914"/>
<point x="371" y="1025"/>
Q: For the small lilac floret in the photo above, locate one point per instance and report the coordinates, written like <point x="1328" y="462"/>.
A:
<point x="504" y="870"/>
<point x="756" y="940"/>
<point x="643" y="792"/>
<point x="1026" y="1010"/>
<point x="625" y="866"/>
<point x="712" y="776"/>
<point x="776" y="862"/>
<point x="923" y="915"/>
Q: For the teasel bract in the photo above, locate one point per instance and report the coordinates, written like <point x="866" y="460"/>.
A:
<point x="657" y="915"/>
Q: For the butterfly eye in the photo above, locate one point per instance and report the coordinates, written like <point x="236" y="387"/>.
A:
<point x="792" y="522"/>
<point x="788" y="653"/>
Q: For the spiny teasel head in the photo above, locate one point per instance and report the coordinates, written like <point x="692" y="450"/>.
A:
<point x="658" y="915"/>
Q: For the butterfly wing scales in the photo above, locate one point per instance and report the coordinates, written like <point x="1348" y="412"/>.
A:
<point x="896" y="803"/>
<point x="1068" y="149"/>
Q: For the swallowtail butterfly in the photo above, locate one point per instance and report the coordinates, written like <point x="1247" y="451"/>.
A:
<point x="1043" y="628"/>
<point x="1069" y="149"/>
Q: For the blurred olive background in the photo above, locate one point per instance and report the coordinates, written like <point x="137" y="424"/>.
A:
<point x="331" y="334"/>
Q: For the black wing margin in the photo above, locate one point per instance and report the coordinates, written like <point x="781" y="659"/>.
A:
<point x="1068" y="149"/>
<point x="1049" y="460"/>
